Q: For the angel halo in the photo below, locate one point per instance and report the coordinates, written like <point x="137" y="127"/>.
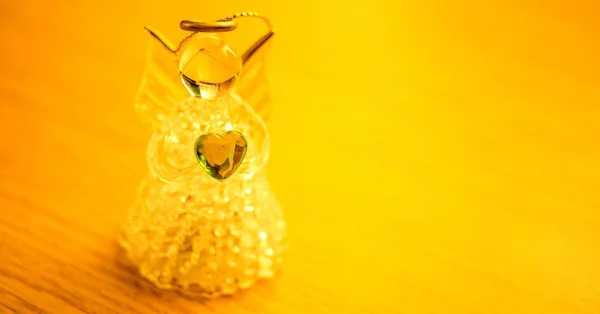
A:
<point x="205" y="219"/>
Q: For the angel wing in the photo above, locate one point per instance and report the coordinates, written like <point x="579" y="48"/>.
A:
<point x="252" y="85"/>
<point x="161" y="88"/>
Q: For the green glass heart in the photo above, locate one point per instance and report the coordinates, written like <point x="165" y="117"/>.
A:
<point x="221" y="155"/>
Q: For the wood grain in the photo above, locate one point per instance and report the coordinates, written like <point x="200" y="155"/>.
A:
<point x="430" y="157"/>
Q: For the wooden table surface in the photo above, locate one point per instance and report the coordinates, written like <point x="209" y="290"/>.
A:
<point x="430" y="157"/>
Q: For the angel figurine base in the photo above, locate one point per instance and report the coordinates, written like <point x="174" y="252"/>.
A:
<point x="205" y="219"/>
<point x="205" y="237"/>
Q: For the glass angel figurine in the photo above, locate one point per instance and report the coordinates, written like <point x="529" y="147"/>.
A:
<point x="205" y="219"/>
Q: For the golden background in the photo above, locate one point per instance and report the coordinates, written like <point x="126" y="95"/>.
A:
<point x="430" y="156"/>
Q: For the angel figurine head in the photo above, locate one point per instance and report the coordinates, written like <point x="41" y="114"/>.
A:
<point x="205" y="219"/>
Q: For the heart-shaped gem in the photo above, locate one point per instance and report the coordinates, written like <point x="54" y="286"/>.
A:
<point x="221" y="155"/>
